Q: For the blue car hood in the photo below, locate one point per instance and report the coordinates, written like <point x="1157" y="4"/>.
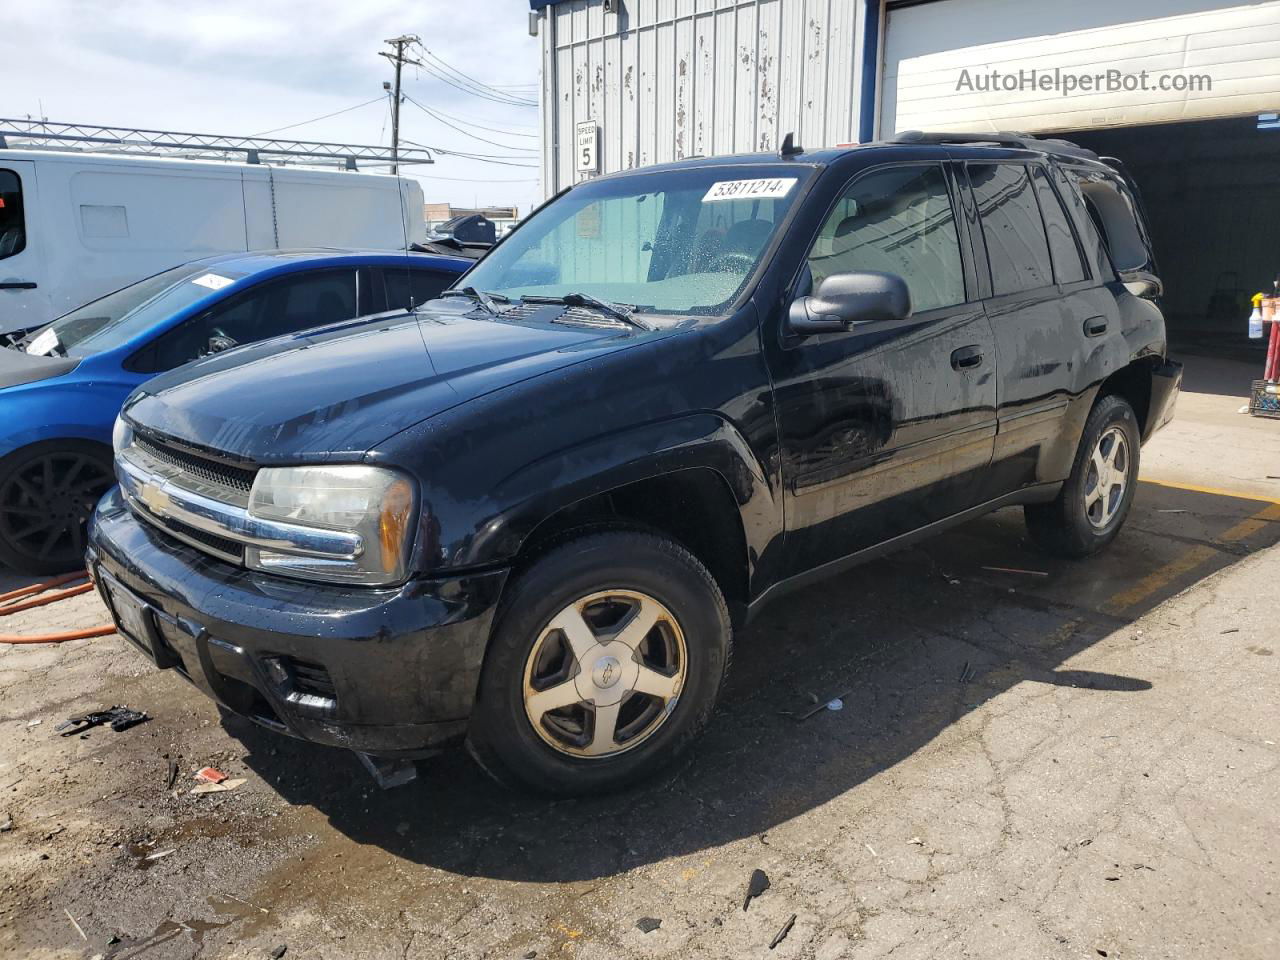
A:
<point x="333" y="394"/>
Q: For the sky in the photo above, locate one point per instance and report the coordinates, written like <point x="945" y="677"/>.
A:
<point x="240" y="67"/>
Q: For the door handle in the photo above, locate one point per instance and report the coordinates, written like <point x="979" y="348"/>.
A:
<point x="17" y="285"/>
<point x="966" y="358"/>
<point x="1095" y="326"/>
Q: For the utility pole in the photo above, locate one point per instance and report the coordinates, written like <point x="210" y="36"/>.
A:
<point x="399" y="59"/>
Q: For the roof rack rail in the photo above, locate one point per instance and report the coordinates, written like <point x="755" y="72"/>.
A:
<point x="1006" y="138"/>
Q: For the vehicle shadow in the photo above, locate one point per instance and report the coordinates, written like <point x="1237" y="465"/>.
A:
<point x="910" y="643"/>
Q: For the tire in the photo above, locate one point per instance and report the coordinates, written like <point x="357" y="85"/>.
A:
<point x="47" y="494"/>
<point x="1080" y="522"/>
<point x="610" y="584"/>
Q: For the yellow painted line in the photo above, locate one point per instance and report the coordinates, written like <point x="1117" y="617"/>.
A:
<point x="1214" y="491"/>
<point x="1157" y="580"/>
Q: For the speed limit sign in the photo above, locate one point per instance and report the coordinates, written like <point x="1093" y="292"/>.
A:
<point x="587" y="147"/>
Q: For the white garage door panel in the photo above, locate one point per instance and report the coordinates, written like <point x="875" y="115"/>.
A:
<point x="926" y="53"/>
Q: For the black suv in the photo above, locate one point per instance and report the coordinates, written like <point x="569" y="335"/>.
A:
<point x="531" y="513"/>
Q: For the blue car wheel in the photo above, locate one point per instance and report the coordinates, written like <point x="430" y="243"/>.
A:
<point x="47" y="493"/>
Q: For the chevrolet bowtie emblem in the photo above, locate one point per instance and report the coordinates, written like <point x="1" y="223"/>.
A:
<point x="155" y="499"/>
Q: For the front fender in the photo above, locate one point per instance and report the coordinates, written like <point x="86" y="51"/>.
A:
<point x="540" y="489"/>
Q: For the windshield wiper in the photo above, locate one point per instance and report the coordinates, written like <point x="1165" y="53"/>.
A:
<point x="489" y="301"/>
<point x="616" y="310"/>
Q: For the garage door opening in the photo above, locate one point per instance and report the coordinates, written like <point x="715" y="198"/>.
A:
<point x="1211" y="189"/>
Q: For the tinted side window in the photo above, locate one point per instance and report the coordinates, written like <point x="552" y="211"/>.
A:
<point x="897" y="220"/>
<point x="13" y="228"/>
<point x="1016" y="245"/>
<point x="416" y="284"/>
<point x="277" y="307"/>
<point x="1067" y="265"/>
<point x="1087" y="222"/>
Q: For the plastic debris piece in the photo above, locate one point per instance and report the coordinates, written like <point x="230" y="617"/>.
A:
<point x="389" y="772"/>
<point x="160" y="854"/>
<point x="648" y="924"/>
<point x="210" y="775"/>
<point x="836" y="704"/>
<point x="916" y="841"/>
<point x="782" y="933"/>
<point x="1029" y="573"/>
<point x="279" y="951"/>
<point x="757" y="885"/>
<point x="79" y="930"/>
<point x="172" y="776"/>
<point x="222" y="787"/>
<point x="6" y="823"/>
<point x="34" y="723"/>
<point x="120" y="719"/>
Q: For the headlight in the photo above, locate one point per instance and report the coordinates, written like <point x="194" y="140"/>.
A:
<point x="121" y="435"/>
<point x="374" y="503"/>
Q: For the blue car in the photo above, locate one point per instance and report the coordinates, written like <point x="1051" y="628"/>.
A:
<point x="62" y="386"/>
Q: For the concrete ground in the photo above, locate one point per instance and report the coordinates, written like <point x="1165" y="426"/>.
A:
<point x="1052" y="759"/>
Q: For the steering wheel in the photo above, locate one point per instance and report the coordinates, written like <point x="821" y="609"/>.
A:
<point x="740" y="263"/>
<point x="218" y="341"/>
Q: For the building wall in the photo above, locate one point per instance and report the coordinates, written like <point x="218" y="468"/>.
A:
<point x="668" y="79"/>
<point x="927" y="46"/>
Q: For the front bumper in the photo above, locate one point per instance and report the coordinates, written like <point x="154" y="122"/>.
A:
<point x="384" y="671"/>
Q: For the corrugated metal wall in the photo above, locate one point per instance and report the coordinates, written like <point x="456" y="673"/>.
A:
<point x="667" y="79"/>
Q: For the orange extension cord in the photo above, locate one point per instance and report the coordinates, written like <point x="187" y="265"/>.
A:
<point x="14" y="602"/>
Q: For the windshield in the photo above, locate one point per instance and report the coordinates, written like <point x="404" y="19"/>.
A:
<point x="118" y="317"/>
<point x="682" y="241"/>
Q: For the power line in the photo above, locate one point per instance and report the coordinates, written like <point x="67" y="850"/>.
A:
<point x="481" y="157"/>
<point x="445" y="78"/>
<point x="480" y="84"/>
<point x="427" y="110"/>
<point x="470" y="180"/>
<point x="441" y="71"/>
<point x="303" y="123"/>
<point x="481" y="126"/>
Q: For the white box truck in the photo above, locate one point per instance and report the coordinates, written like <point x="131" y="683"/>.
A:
<point x="75" y="226"/>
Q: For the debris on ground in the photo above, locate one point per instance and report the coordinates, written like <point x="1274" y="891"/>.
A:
<point x="757" y="885"/>
<point x="210" y="775"/>
<point x="648" y="924"/>
<point x="279" y="951"/>
<point x="34" y="723"/>
<point x="79" y="930"/>
<point x="1232" y="630"/>
<point x="823" y="705"/>
<point x="160" y="854"/>
<point x="6" y="823"/>
<point x="120" y="719"/>
<point x="530" y="955"/>
<point x="171" y="777"/>
<point x="915" y="841"/>
<point x="782" y="933"/>
<point x="220" y="787"/>
<point x="1026" y="573"/>
<point x="836" y="704"/>
<point x="966" y="673"/>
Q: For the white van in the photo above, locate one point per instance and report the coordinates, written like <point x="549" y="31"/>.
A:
<point x="75" y="226"/>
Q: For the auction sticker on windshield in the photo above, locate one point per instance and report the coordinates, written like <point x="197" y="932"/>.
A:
<point x="213" y="281"/>
<point x="749" y="189"/>
<point x="44" y="343"/>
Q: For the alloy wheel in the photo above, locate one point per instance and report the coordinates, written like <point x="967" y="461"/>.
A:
<point x="604" y="674"/>
<point x="1108" y="477"/>
<point x="45" y="504"/>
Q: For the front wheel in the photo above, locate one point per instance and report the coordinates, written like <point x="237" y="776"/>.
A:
<point x="605" y="663"/>
<point x="1094" y="502"/>
<point x="47" y="494"/>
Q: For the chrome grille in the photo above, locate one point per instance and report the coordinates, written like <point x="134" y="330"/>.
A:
<point x="204" y="469"/>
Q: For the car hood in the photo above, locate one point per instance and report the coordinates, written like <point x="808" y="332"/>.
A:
<point x="18" y="367"/>
<point x="332" y="394"/>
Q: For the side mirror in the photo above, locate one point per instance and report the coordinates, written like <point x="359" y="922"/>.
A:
<point x="844" y="300"/>
<point x="1142" y="283"/>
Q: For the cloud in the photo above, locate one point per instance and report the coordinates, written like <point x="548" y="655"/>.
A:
<point x="241" y="67"/>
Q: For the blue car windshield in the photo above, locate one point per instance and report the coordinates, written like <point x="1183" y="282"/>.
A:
<point x="682" y="241"/>
<point x="119" y="317"/>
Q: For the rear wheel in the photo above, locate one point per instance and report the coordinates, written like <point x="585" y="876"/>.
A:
<point x="47" y="494"/>
<point x="1095" y="500"/>
<point x="605" y="663"/>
